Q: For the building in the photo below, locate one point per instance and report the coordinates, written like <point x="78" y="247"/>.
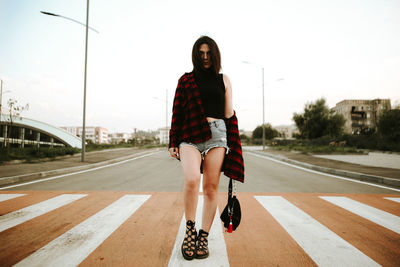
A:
<point x="286" y="131"/>
<point x="361" y="115"/>
<point x="32" y="133"/>
<point x="117" y="138"/>
<point x="71" y="130"/>
<point x="163" y="135"/>
<point x="97" y="135"/>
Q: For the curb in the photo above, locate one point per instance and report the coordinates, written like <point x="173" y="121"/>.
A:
<point x="38" y="175"/>
<point x="347" y="174"/>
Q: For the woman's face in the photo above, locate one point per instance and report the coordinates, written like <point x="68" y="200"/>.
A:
<point x="205" y="55"/>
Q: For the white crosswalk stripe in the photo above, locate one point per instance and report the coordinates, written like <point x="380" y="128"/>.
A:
<point x="17" y="217"/>
<point x="321" y="244"/>
<point x="395" y="199"/>
<point x="4" y="197"/>
<point x="320" y="239"/>
<point x="217" y="247"/>
<point x="74" y="246"/>
<point x="375" y="215"/>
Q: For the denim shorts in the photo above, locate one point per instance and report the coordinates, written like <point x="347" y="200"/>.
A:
<point x="218" y="139"/>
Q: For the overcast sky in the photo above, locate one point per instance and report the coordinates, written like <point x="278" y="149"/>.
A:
<point x="341" y="49"/>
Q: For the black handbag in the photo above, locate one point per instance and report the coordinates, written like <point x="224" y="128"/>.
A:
<point x="231" y="215"/>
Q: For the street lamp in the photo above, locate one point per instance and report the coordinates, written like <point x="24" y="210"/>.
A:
<point x="84" y="83"/>
<point x="263" y="106"/>
<point x="166" y="108"/>
<point x="56" y="15"/>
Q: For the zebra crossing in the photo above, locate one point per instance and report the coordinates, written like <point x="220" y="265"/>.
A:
<point x="39" y="228"/>
<point x="320" y="243"/>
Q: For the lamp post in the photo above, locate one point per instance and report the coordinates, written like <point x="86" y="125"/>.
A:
<point x="166" y="108"/>
<point x="84" y="83"/>
<point x="263" y="99"/>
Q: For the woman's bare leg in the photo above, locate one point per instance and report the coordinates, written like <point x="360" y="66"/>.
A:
<point x="211" y="173"/>
<point x="191" y="160"/>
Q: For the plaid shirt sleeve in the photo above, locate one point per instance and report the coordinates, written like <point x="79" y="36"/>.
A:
<point x="233" y="165"/>
<point x="175" y="133"/>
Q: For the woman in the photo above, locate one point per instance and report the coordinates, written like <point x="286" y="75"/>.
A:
<point x="198" y="137"/>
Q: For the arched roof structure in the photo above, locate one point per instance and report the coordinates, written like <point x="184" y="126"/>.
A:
<point x="65" y="137"/>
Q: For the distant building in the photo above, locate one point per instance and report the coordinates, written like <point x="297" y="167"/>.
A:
<point x="97" y="135"/>
<point x="286" y="131"/>
<point x="71" y="130"/>
<point x="164" y="135"/>
<point x="117" y="138"/>
<point x="361" y="115"/>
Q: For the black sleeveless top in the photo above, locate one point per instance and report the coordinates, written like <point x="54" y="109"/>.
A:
<point x="212" y="93"/>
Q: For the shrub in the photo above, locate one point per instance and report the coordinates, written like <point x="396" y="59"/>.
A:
<point x="31" y="153"/>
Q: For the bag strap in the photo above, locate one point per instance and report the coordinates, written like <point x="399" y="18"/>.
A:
<point x="230" y="198"/>
<point x="230" y="189"/>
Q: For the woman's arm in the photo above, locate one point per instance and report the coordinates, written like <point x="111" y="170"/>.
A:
<point x="228" y="97"/>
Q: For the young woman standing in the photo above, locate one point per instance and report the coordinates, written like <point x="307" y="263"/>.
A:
<point x="198" y="137"/>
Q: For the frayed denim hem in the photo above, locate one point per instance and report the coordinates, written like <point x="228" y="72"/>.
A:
<point x="208" y="149"/>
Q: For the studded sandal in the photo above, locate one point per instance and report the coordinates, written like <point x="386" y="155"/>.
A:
<point x="189" y="243"/>
<point x="202" y="245"/>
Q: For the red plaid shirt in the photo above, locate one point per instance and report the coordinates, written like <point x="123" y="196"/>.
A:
<point x="189" y="124"/>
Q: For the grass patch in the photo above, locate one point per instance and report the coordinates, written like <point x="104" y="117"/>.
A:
<point x="30" y="154"/>
<point x="305" y="149"/>
<point x="34" y="154"/>
<point x="346" y="144"/>
<point x="96" y="147"/>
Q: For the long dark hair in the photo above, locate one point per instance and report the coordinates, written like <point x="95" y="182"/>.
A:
<point x="214" y="53"/>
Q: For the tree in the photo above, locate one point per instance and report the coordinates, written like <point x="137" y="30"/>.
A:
<point x="317" y="121"/>
<point x="389" y="124"/>
<point x="269" y="132"/>
<point x="14" y="111"/>
<point x="335" y="124"/>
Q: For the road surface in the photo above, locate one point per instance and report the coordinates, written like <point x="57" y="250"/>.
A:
<point x="131" y="214"/>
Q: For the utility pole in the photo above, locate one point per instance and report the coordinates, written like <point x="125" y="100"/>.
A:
<point x="263" y="124"/>
<point x="84" y="87"/>
<point x="84" y="84"/>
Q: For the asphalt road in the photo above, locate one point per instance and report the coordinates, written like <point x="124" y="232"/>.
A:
<point x="158" y="172"/>
<point x="131" y="214"/>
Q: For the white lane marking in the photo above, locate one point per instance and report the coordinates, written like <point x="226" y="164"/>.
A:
<point x="375" y="215"/>
<point x="4" y="197"/>
<point x="72" y="247"/>
<point x="323" y="173"/>
<point x="321" y="244"/>
<point x="78" y="172"/>
<point x="216" y="243"/>
<point x="20" y="216"/>
<point x="395" y="199"/>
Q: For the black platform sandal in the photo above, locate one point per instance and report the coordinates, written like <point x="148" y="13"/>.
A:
<point x="202" y="245"/>
<point x="189" y="243"/>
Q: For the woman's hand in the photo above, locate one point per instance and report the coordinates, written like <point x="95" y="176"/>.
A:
<point x="174" y="152"/>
